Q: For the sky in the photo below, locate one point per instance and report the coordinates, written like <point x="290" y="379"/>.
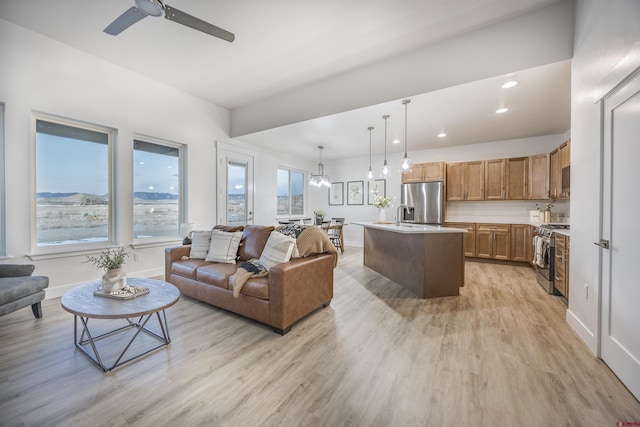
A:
<point x="65" y="165"/>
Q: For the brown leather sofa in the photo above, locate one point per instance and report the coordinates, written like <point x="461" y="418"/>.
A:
<point x="291" y="291"/>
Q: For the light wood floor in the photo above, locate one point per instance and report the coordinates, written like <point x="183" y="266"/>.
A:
<point x="499" y="354"/>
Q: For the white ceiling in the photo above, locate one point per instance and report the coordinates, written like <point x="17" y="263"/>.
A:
<point x="282" y="45"/>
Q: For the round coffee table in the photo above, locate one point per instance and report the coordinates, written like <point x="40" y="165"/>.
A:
<point x="84" y="305"/>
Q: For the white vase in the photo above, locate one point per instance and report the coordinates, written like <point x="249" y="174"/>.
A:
<point x="114" y="280"/>
<point x="382" y="215"/>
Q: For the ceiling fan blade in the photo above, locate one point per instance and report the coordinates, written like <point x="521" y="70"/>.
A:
<point x="124" y="21"/>
<point x="173" y="14"/>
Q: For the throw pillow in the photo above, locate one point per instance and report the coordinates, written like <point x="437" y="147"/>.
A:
<point x="224" y="246"/>
<point x="200" y="242"/>
<point x="278" y="249"/>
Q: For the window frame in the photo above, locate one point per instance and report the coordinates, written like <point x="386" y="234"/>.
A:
<point x="3" y="180"/>
<point x="183" y="211"/>
<point x="41" y="252"/>
<point x="304" y="192"/>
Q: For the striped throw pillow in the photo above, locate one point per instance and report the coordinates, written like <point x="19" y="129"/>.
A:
<point x="200" y="242"/>
<point x="278" y="249"/>
<point x="224" y="246"/>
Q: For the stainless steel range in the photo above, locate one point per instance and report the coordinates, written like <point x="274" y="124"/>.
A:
<point x="544" y="254"/>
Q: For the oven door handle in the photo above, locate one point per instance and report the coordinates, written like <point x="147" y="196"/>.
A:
<point x="604" y="244"/>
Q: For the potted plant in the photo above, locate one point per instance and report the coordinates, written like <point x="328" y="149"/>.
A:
<point x="111" y="261"/>
<point x="319" y="216"/>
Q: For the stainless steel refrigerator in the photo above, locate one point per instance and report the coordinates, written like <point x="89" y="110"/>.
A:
<point x="425" y="201"/>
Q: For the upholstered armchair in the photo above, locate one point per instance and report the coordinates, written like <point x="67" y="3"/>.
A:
<point x="18" y="288"/>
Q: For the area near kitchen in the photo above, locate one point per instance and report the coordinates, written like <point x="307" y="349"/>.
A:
<point x="482" y="195"/>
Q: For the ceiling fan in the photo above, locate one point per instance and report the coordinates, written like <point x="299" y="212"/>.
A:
<point x="155" y="8"/>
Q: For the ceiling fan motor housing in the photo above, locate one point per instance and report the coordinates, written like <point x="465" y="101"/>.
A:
<point x="150" y="7"/>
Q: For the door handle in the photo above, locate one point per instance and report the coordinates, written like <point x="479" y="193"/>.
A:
<point x="604" y="244"/>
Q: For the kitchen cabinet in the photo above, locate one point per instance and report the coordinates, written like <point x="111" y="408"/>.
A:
<point x="538" y="185"/>
<point x="561" y="279"/>
<point x="517" y="175"/>
<point x="520" y="236"/>
<point x="564" y="161"/>
<point x="465" y="181"/>
<point x="493" y="241"/>
<point x="424" y="172"/>
<point x="469" y="236"/>
<point x="554" y="174"/>
<point x="474" y="181"/>
<point x="494" y="179"/>
<point x="558" y="159"/>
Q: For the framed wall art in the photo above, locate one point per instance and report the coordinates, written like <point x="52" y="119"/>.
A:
<point x="377" y="187"/>
<point x="336" y="195"/>
<point x="355" y="192"/>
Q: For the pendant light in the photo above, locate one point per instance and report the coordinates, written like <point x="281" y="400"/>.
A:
<point x="320" y="179"/>
<point x="370" y="173"/>
<point x="406" y="162"/>
<point x="385" y="168"/>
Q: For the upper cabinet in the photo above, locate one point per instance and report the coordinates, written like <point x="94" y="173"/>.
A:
<point x="465" y="181"/>
<point x="517" y="172"/>
<point x="424" y="172"/>
<point x="494" y="179"/>
<point x="538" y="177"/>
<point x="558" y="160"/>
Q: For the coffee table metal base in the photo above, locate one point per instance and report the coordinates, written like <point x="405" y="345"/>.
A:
<point x="90" y="341"/>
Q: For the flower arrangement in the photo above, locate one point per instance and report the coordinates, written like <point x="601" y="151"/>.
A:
<point x="382" y="202"/>
<point x="318" y="212"/>
<point x="109" y="259"/>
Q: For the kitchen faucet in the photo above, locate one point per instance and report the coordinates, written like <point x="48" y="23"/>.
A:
<point x="398" y="212"/>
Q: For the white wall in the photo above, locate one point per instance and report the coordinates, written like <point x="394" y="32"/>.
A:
<point x="40" y="74"/>
<point x="605" y="33"/>
<point x="356" y="170"/>
<point x="266" y="163"/>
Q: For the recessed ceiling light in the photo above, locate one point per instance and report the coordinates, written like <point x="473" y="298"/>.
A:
<point x="502" y="110"/>
<point x="510" y="83"/>
<point x="396" y="141"/>
<point x="442" y="135"/>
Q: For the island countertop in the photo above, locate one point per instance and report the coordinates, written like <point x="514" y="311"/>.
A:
<point x="406" y="228"/>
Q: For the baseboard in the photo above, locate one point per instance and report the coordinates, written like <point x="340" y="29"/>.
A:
<point x="57" y="291"/>
<point x="583" y="332"/>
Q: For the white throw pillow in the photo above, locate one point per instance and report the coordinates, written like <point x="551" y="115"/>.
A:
<point x="224" y="246"/>
<point x="200" y="242"/>
<point x="278" y="249"/>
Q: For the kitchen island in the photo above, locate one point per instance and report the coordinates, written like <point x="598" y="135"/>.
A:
<point x="426" y="259"/>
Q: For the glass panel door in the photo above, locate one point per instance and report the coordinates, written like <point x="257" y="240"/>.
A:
<point x="237" y="204"/>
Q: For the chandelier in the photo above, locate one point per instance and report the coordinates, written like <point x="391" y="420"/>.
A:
<point x="320" y="179"/>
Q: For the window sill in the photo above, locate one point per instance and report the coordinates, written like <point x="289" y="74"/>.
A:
<point x="167" y="241"/>
<point x="66" y="251"/>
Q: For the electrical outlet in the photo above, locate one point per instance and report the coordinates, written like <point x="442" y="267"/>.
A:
<point x="586" y="291"/>
<point x="136" y="256"/>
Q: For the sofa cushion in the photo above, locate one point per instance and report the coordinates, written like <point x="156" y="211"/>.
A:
<point x="257" y="287"/>
<point x="216" y="274"/>
<point x="254" y="237"/>
<point x="200" y="242"/>
<point x="224" y="246"/>
<point x="277" y="250"/>
<point x="187" y="268"/>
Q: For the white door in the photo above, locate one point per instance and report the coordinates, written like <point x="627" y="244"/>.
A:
<point x="620" y="273"/>
<point x="235" y="187"/>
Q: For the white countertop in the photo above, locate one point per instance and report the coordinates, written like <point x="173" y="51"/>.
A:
<point x="499" y="220"/>
<point x="410" y="228"/>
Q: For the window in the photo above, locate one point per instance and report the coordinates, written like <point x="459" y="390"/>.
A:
<point x="157" y="189"/>
<point x="73" y="183"/>
<point x="3" y="229"/>
<point x="290" y="184"/>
